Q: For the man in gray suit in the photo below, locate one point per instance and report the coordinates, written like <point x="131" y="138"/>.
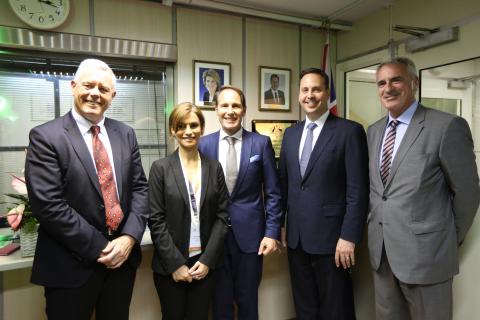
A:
<point x="424" y="194"/>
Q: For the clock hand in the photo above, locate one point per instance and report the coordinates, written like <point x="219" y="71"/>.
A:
<point x="50" y="3"/>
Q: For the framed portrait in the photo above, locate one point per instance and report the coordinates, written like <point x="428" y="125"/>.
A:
<point x="274" y="89"/>
<point x="208" y="77"/>
<point x="273" y="129"/>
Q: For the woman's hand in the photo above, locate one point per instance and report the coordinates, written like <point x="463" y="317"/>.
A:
<point x="182" y="274"/>
<point x="198" y="271"/>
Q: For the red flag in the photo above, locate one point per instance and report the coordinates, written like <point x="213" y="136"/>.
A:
<point x="332" y="103"/>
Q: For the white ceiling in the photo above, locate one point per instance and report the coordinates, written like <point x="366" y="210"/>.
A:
<point x="333" y="10"/>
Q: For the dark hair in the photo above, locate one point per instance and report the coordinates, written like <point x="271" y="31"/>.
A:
<point x="318" y="71"/>
<point x="179" y="113"/>
<point x="240" y="93"/>
<point x="274" y="75"/>
<point x="412" y="70"/>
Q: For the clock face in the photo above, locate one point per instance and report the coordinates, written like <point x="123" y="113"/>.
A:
<point x="41" y="14"/>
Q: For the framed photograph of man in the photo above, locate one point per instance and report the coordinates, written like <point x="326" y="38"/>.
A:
<point x="274" y="89"/>
<point x="208" y="77"/>
<point x="274" y="129"/>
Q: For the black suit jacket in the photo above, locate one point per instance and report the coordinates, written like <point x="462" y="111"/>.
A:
<point x="169" y="220"/>
<point x="269" y="99"/>
<point x="331" y="200"/>
<point x="66" y="199"/>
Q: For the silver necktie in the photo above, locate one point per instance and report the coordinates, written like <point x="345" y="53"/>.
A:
<point x="231" y="170"/>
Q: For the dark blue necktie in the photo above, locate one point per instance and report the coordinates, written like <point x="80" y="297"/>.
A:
<point x="307" y="148"/>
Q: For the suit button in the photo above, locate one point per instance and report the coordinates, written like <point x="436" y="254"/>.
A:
<point x="302" y="187"/>
<point x="384" y="198"/>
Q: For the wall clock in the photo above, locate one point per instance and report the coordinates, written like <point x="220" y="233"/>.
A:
<point x="41" y="14"/>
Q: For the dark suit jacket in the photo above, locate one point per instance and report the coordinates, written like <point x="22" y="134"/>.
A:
<point x="269" y="99"/>
<point x="206" y="97"/>
<point x="331" y="200"/>
<point x="255" y="205"/>
<point x="66" y="199"/>
<point x="169" y="220"/>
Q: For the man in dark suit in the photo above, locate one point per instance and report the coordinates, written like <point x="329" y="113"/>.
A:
<point x="424" y="194"/>
<point x="274" y="95"/>
<point x="89" y="193"/>
<point x="324" y="176"/>
<point x="255" y="209"/>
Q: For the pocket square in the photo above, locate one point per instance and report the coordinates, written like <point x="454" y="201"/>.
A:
<point x="254" y="158"/>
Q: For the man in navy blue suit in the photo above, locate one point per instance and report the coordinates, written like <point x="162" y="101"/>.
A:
<point x="255" y="207"/>
<point x="325" y="187"/>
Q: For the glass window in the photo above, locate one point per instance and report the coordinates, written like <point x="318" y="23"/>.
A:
<point x="33" y="92"/>
<point x="362" y="101"/>
<point x="453" y="88"/>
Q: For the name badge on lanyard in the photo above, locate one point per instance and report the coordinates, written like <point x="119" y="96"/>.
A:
<point x="195" y="242"/>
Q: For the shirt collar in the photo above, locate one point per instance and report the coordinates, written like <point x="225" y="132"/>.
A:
<point x="407" y="115"/>
<point x="319" y="122"/>
<point x="237" y="135"/>
<point x="83" y="124"/>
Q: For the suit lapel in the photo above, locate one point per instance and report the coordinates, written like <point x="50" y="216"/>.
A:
<point x="296" y="138"/>
<point x="179" y="177"/>
<point x="376" y="153"/>
<point x="205" y="176"/>
<point x="116" y="144"/>
<point x="244" y="158"/>
<point x="323" y="139"/>
<point x="78" y="144"/>
<point x="412" y="133"/>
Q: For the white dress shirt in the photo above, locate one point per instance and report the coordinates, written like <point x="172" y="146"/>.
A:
<point x="316" y="132"/>
<point x="402" y="126"/>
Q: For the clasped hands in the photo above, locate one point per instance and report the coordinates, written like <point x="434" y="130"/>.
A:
<point x="117" y="251"/>
<point x="197" y="272"/>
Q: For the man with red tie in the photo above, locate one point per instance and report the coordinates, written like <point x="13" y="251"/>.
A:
<point x="88" y="191"/>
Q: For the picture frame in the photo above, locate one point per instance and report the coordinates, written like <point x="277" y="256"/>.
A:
<point x="204" y="74"/>
<point x="274" y="129"/>
<point x="274" y="93"/>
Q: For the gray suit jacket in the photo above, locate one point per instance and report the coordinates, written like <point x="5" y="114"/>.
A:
<point x="429" y="201"/>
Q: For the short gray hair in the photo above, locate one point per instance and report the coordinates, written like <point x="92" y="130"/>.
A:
<point x="97" y="65"/>
<point x="411" y="68"/>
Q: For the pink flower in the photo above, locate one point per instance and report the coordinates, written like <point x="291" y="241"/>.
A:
<point x="14" y="216"/>
<point x="18" y="183"/>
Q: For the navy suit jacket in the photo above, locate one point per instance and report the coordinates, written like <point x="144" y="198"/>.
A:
<point x="65" y="196"/>
<point x="255" y="205"/>
<point x="331" y="200"/>
<point x="269" y="99"/>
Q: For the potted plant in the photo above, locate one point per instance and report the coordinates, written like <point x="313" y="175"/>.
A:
<point x="20" y="217"/>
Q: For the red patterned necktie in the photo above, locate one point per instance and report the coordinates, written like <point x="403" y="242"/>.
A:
<point x="113" y="211"/>
<point x="386" y="164"/>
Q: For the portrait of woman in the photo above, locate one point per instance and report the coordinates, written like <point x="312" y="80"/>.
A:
<point x="188" y="220"/>
<point x="211" y="81"/>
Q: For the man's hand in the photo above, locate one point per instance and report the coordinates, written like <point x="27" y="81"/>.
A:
<point x="345" y="254"/>
<point x="181" y="274"/>
<point x="117" y="251"/>
<point x="268" y="245"/>
<point x="198" y="271"/>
